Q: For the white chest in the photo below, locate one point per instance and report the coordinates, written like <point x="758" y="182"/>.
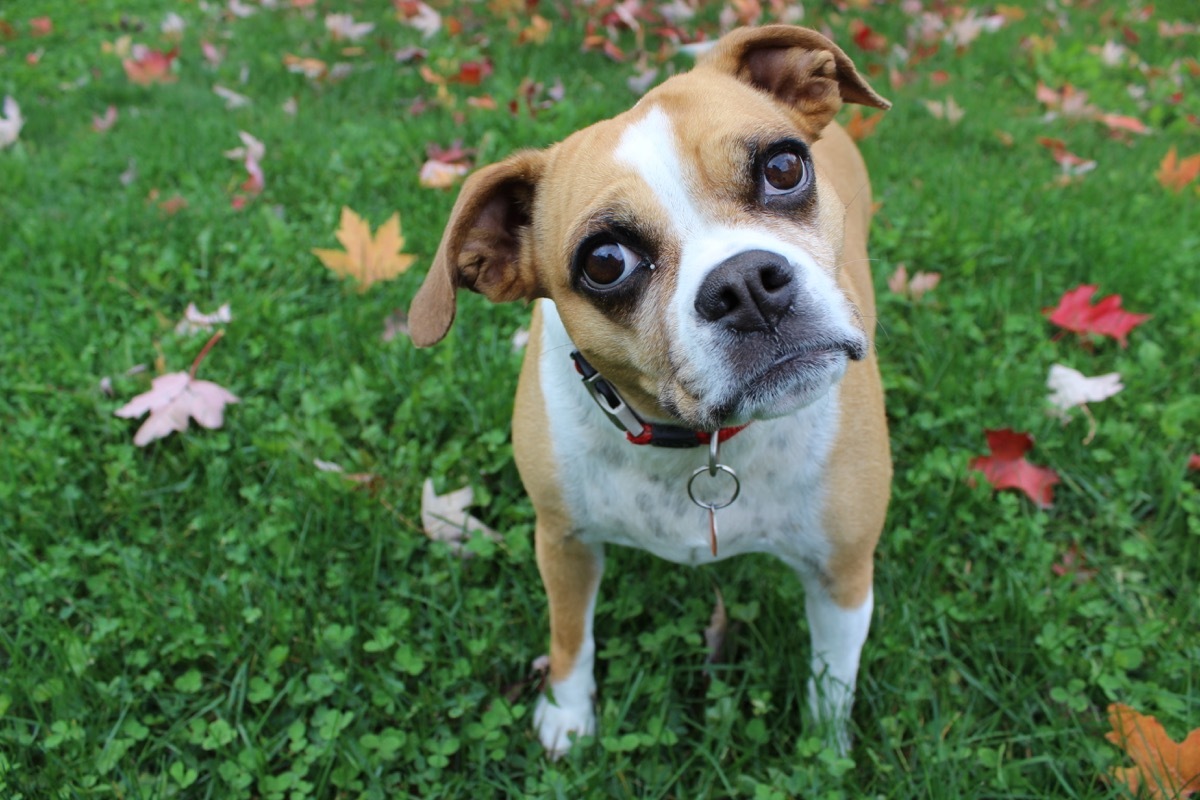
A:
<point x="621" y="493"/>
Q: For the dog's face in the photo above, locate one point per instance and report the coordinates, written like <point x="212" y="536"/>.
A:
<point x="689" y="244"/>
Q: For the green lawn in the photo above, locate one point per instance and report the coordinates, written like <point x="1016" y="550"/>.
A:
<point x="211" y="616"/>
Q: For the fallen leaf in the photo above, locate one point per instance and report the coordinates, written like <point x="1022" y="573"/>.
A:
<point x="472" y="73"/>
<point x="537" y="31"/>
<point x="367" y="480"/>
<point x="130" y="174"/>
<point x="917" y="286"/>
<point x="1006" y="467"/>
<point x="1068" y="101"/>
<point x="232" y="99"/>
<point x="860" y="127"/>
<point x="1172" y="173"/>
<point x="104" y="124"/>
<point x="212" y="54"/>
<point x="175" y="398"/>
<point x="1070" y="388"/>
<point x="396" y="324"/>
<point x="1111" y="53"/>
<point x="1074" y="564"/>
<point x="11" y="122"/>
<point x="1170" y="30"/>
<point x="419" y="15"/>
<point x="1162" y="767"/>
<point x="148" y="66"/>
<point x="963" y="31"/>
<point x="640" y="83"/>
<point x="172" y="26"/>
<point x="367" y="259"/>
<point x="1074" y="312"/>
<point x="311" y="68"/>
<point x="945" y="109"/>
<point x="1071" y="164"/>
<point x="241" y="10"/>
<point x="440" y="175"/>
<point x="445" y="519"/>
<point x="866" y="38"/>
<point x="250" y="154"/>
<point x="923" y="282"/>
<point x="1119" y="122"/>
<point x="342" y="27"/>
<point x="196" y="322"/>
<point x="520" y="339"/>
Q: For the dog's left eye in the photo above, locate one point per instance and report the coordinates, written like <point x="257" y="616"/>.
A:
<point x="784" y="172"/>
<point x="610" y="263"/>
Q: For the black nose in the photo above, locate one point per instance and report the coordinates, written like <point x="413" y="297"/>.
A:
<point x="748" y="292"/>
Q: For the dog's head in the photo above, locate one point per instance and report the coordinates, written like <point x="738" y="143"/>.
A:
<point x="689" y="244"/>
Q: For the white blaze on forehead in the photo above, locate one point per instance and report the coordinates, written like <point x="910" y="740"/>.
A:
<point x="648" y="147"/>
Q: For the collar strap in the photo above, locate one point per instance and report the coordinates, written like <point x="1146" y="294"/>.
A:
<point x="637" y="430"/>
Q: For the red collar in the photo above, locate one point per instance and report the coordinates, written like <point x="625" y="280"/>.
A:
<point x="637" y="430"/>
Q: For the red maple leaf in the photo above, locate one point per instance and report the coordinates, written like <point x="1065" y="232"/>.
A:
<point x="1006" y="467"/>
<point x="866" y="38"/>
<point x="1075" y="312"/>
<point x="472" y="73"/>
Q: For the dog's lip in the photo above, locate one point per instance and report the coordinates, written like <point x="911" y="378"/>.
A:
<point x="815" y="355"/>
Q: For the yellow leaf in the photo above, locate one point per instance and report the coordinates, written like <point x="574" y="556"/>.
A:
<point x="367" y="259"/>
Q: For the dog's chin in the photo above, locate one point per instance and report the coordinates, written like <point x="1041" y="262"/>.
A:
<point x="786" y="386"/>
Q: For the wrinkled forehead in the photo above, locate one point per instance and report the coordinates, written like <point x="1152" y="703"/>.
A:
<point x="675" y="155"/>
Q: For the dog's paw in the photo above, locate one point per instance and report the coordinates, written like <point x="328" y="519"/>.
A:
<point x="555" y="722"/>
<point x="830" y="703"/>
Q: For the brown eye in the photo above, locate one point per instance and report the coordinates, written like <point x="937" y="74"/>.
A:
<point x="610" y="263"/>
<point x="783" y="172"/>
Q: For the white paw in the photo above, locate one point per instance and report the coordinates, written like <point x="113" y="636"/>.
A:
<point x="830" y="702"/>
<point x="554" y="722"/>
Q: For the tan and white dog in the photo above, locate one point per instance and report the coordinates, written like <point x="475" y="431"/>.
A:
<point x="700" y="260"/>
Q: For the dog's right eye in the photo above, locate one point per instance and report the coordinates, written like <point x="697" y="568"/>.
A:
<point x="609" y="263"/>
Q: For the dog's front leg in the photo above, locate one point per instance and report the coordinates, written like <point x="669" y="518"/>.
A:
<point x="571" y="573"/>
<point x="838" y="631"/>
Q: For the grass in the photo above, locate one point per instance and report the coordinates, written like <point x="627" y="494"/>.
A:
<point x="212" y="617"/>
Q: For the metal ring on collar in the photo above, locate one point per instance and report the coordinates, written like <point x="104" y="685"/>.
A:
<point x="737" y="487"/>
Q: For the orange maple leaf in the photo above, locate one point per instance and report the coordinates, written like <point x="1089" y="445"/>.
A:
<point x="1167" y="770"/>
<point x="367" y="259"/>
<point x="860" y="127"/>
<point x="1175" y="174"/>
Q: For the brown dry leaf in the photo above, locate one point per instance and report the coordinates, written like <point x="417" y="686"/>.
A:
<point x="1163" y="768"/>
<point x="367" y="259"/>
<point x="445" y="519"/>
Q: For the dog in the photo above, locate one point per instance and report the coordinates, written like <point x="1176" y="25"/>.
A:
<point x="700" y="379"/>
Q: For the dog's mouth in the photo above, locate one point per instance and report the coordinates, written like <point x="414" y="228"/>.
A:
<point x="786" y="383"/>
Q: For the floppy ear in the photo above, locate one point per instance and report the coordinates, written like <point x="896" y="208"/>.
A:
<point x="800" y="67"/>
<point x="485" y="246"/>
